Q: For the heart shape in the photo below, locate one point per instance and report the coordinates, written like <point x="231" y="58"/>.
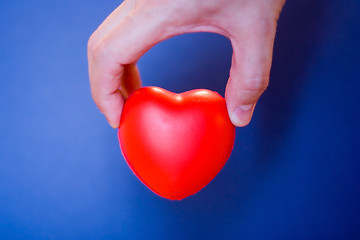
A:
<point x="175" y="143"/>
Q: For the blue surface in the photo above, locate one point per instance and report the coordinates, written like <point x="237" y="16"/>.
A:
<point x="294" y="171"/>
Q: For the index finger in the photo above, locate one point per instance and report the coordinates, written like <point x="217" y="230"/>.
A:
<point x="111" y="61"/>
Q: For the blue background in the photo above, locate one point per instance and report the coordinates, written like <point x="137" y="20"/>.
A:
<point x="294" y="171"/>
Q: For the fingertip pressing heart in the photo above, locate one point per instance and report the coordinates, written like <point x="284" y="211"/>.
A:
<point x="241" y="116"/>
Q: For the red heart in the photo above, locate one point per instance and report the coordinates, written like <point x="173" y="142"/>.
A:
<point x="175" y="143"/>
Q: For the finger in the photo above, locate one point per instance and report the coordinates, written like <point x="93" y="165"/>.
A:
<point x="250" y="70"/>
<point x="112" y="20"/>
<point x="130" y="80"/>
<point x="114" y="98"/>
<point x="111" y="104"/>
<point x="112" y="58"/>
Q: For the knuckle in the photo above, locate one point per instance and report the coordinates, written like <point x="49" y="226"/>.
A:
<point x="255" y="84"/>
<point x="91" y="43"/>
<point x="94" y="95"/>
<point x="96" y="48"/>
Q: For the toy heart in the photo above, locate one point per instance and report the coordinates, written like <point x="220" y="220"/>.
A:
<point x="175" y="143"/>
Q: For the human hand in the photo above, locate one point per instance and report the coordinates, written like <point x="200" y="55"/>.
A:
<point x="137" y="25"/>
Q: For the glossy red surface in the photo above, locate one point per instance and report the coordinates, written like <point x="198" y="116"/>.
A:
<point x="175" y="143"/>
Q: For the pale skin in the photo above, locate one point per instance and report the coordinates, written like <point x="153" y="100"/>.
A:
<point x="137" y="25"/>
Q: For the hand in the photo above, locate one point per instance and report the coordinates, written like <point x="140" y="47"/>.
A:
<point x="137" y="25"/>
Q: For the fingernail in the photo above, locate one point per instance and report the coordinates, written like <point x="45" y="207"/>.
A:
<point x="113" y="124"/>
<point x="242" y="115"/>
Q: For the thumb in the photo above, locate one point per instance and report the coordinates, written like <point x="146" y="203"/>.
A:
<point x="250" y="70"/>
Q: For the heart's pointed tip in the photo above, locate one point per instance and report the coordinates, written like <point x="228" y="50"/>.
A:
<point x="173" y="197"/>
